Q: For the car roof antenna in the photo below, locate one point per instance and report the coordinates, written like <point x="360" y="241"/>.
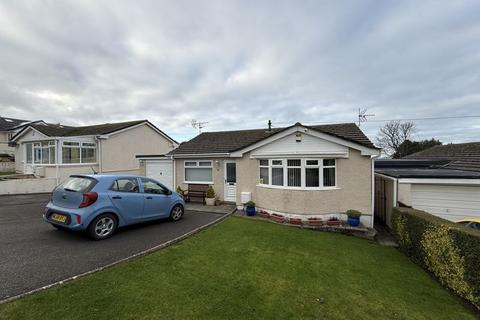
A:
<point x="94" y="172"/>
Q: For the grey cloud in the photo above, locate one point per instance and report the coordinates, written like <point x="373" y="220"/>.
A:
<point x="237" y="64"/>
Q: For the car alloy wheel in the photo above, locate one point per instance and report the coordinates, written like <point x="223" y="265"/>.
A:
<point x="102" y="226"/>
<point x="177" y="213"/>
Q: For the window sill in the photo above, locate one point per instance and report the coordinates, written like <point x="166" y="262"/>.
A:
<point x="298" y="188"/>
<point x="61" y="164"/>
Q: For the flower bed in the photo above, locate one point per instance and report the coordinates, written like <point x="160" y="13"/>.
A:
<point x="295" y="221"/>
<point x="277" y="218"/>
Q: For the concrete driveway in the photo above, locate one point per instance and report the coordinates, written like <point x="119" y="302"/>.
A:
<point x="33" y="254"/>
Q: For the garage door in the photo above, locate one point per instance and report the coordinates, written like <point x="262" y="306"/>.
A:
<point x="160" y="170"/>
<point x="447" y="201"/>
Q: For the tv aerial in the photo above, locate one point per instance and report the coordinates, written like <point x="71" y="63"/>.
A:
<point x="199" y="125"/>
<point x="362" y="115"/>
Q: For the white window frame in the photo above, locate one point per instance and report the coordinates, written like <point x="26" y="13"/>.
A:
<point x="38" y="146"/>
<point x="197" y="166"/>
<point x="303" y="167"/>
<point x="334" y="166"/>
<point x="80" y="145"/>
<point x="260" y="166"/>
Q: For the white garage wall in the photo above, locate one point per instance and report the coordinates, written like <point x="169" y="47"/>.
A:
<point x="451" y="202"/>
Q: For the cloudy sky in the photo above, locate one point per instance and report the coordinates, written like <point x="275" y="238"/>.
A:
<point x="237" y="64"/>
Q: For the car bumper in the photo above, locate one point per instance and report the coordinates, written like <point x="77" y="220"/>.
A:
<point x="75" y="219"/>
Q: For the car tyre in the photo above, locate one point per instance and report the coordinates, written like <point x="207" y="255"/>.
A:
<point x="103" y="226"/>
<point x="177" y="212"/>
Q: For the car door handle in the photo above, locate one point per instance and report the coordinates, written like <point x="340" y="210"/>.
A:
<point x="116" y="197"/>
<point x="148" y="198"/>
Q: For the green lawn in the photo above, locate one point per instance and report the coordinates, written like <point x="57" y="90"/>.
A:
<point x="250" y="269"/>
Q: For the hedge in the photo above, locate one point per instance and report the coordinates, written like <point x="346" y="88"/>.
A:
<point x="451" y="252"/>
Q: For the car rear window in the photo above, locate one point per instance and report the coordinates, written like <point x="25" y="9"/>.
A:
<point x="78" y="184"/>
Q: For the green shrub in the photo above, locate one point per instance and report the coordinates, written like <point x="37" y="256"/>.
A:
<point x="179" y="190"/>
<point x="210" y="192"/>
<point x="450" y="251"/>
<point x="353" y="213"/>
<point x="250" y="204"/>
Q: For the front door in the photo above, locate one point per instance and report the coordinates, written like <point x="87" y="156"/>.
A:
<point x="230" y="181"/>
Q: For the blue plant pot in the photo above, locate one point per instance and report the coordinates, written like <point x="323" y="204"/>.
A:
<point x="250" y="211"/>
<point x="354" y="222"/>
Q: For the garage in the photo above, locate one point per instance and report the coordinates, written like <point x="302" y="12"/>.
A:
<point x="159" y="168"/>
<point x="428" y="185"/>
<point x="451" y="202"/>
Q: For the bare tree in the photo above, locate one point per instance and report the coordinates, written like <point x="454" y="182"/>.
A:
<point x="393" y="134"/>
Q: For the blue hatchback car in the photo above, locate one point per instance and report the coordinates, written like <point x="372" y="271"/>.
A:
<point x="99" y="204"/>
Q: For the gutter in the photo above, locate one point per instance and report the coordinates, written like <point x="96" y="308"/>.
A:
<point x="200" y="155"/>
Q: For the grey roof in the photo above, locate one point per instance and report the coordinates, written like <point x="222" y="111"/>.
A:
<point x="422" y="169"/>
<point x="230" y="141"/>
<point x="67" y="131"/>
<point x="58" y="130"/>
<point x="10" y="123"/>
<point x="460" y="156"/>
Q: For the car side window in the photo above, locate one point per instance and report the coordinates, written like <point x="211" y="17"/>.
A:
<point x="150" y="186"/>
<point x="125" y="185"/>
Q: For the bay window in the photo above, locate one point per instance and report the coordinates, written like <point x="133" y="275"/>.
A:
<point x="264" y="172"/>
<point x="277" y="172"/>
<point x="312" y="173"/>
<point x="198" y="171"/>
<point x="294" y="171"/>
<point x="328" y="172"/>
<point x="298" y="173"/>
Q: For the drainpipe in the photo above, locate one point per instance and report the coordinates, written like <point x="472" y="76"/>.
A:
<point x="174" y="175"/>
<point x="99" y="155"/>
<point x="57" y="173"/>
<point x="373" y="189"/>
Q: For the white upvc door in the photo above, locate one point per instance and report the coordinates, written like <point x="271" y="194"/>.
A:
<point x="230" y="178"/>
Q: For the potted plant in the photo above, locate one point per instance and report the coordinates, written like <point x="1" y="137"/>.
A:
<point x="180" y="191"/>
<point x="210" y="196"/>
<point x="333" y="221"/>
<point x="250" y="208"/>
<point x="353" y="217"/>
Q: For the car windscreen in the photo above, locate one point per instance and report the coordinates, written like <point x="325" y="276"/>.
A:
<point x="78" y="184"/>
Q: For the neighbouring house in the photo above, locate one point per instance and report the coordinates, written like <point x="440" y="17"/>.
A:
<point x="8" y="128"/>
<point x="443" y="180"/>
<point x="54" y="151"/>
<point x="297" y="170"/>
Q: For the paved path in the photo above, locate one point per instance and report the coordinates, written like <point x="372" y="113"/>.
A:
<point x="34" y="254"/>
